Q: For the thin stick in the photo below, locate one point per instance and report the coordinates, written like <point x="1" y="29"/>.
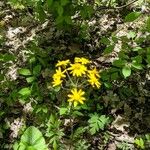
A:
<point x="120" y="7"/>
<point x="126" y="4"/>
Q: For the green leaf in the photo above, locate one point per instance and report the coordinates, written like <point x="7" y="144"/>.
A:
<point x="114" y="76"/>
<point x="105" y="41"/>
<point x="37" y="70"/>
<point x="131" y="35"/>
<point x="25" y="72"/>
<point x="97" y="122"/>
<point x="132" y="16"/>
<point x="148" y="24"/>
<point x="137" y="49"/>
<point x="139" y="143"/>
<point x="8" y="57"/>
<point x="25" y="91"/>
<point x="49" y="2"/>
<point x="63" y="111"/>
<point x="15" y="146"/>
<point x="55" y="145"/>
<point x="119" y="63"/>
<point x="64" y="2"/>
<point x="109" y="49"/>
<point x="40" y="11"/>
<point x="126" y="71"/>
<point x="68" y="19"/>
<point x="32" y="139"/>
<point x="137" y="66"/>
<point x="30" y="79"/>
<point x="60" y="10"/>
<point x="148" y="59"/>
<point x="108" y="84"/>
<point x="59" y="20"/>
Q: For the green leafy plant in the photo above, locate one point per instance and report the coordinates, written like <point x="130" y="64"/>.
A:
<point x="97" y="123"/>
<point x="54" y="132"/>
<point x="140" y="143"/>
<point x="32" y="139"/>
<point x="82" y="145"/>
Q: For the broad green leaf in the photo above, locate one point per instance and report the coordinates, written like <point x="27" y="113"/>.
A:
<point x="68" y="19"/>
<point x="132" y="16"/>
<point x="108" y="84"/>
<point x="25" y="91"/>
<point x="64" y="2"/>
<point x="109" y="49"/>
<point x="137" y="49"/>
<point x="136" y="65"/>
<point x="126" y="71"/>
<point x="8" y="57"/>
<point x="60" y="10"/>
<point x="25" y="72"/>
<point x="33" y="139"/>
<point x="59" y="20"/>
<point x="137" y="59"/>
<point x="15" y="146"/>
<point x="49" y="2"/>
<point x="119" y="63"/>
<point x="77" y="113"/>
<point x="37" y="70"/>
<point x="63" y="111"/>
<point x="30" y="79"/>
<point x="114" y="76"/>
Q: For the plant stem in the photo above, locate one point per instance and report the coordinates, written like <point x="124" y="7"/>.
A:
<point x="71" y="126"/>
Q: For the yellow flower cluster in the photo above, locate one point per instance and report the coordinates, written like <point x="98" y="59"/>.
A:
<point x="74" y="70"/>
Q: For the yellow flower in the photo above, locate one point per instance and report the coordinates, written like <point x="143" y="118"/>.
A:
<point x="76" y="97"/>
<point x="63" y="63"/>
<point x="59" y="74"/>
<point x="77" y="69"/>
<point x="56" y="82"/>
<point x="94" y="72"/>
<point x="94" y="81"/>
<point x="81" y="60"/>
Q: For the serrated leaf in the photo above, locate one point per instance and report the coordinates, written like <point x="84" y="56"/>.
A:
<point x="25" y="72"/>
<point x="97" y="122"/>
<point x="132" y="16"/>
<point x="140" y="143"/>
<point x="25" y="91"/>
<point x="126" y="71"/>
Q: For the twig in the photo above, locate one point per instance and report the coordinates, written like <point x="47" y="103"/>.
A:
<point x="126" y="4"/>
<point x="120" y="7"/>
